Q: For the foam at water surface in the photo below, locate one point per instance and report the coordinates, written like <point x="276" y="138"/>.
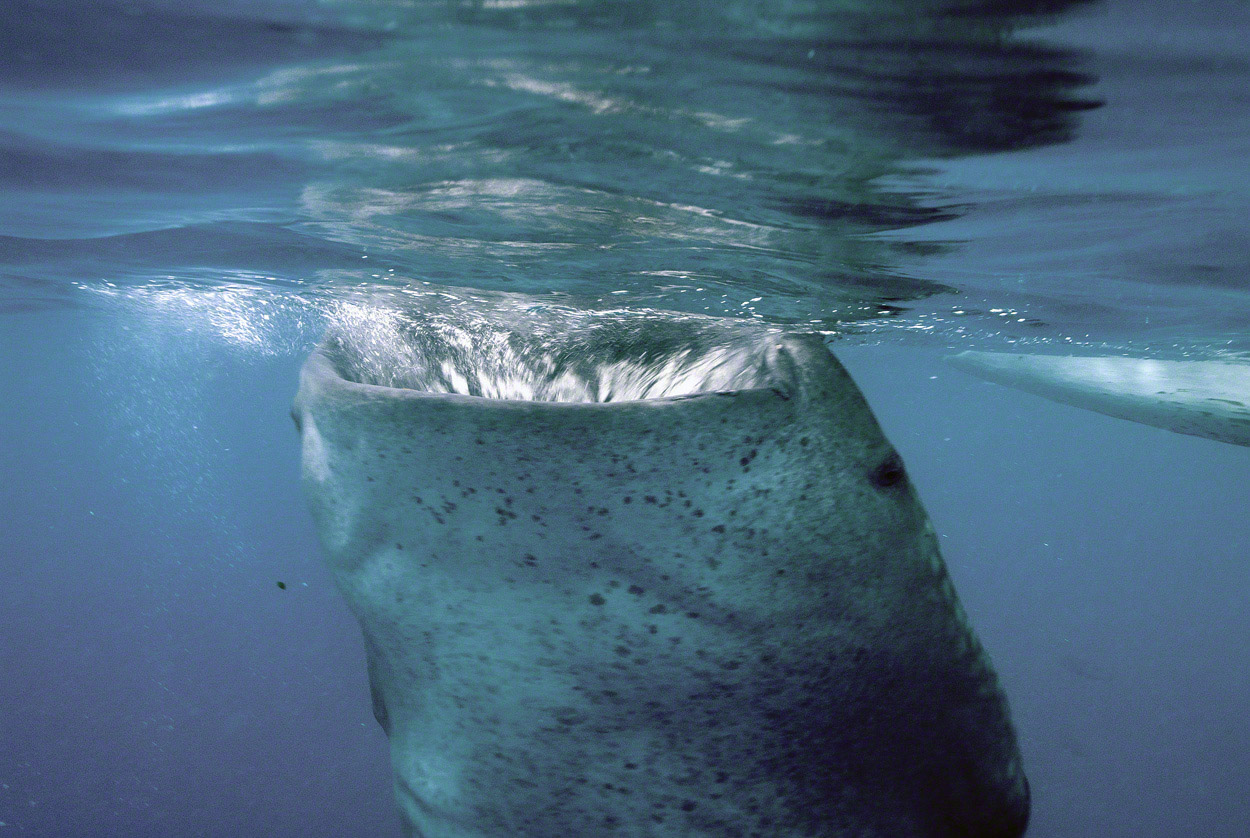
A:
<point x="548" y="353"/>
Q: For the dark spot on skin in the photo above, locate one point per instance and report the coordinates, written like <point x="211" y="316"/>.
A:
<point x="804" y="441"/>
<point x="628" y="499"/>
<point x="687" y="805"/>
<point x="399" y="546"/>
<point x="636" y="590"/>
<point x="596" y="599"/>
<point x="718" y="528"/>
<point x="658" y="609"/>
<point x="889" y="473"/>
<point x="569" y="716"/>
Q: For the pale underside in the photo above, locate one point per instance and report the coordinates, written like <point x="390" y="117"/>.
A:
<point x="1202" y="398"/>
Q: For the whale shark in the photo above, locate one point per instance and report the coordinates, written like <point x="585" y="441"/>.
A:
<point x="630" y="573"/>
<point x="1205" y="398"/>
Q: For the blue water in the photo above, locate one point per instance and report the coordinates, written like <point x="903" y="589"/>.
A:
<point x="191" y="191"/>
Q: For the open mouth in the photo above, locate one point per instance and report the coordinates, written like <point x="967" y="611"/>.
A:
<point x="550" y="353"/>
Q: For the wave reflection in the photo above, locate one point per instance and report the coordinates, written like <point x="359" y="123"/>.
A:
<point x="732" y="160"/>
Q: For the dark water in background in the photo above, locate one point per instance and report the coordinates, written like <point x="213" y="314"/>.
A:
<point x="190" y="190"/>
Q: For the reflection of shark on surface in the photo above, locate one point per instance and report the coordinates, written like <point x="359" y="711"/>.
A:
<point x="670" y="581"/>
<point x="1203" y="398"/>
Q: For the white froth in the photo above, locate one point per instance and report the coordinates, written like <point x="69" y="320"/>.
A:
<point x="545" y="356"/>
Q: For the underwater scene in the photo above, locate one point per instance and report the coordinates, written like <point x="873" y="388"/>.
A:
<point x="576" y="418"/>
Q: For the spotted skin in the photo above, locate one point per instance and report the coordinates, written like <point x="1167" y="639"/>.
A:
<point x="716" y="615"/>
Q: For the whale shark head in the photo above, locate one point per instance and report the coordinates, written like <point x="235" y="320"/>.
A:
<point x="635" y="573"/>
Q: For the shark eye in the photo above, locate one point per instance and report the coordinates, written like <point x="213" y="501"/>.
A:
<point x="889" y="473"/>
